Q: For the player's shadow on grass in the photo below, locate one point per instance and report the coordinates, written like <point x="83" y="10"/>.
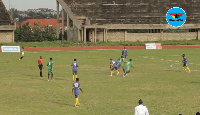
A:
<point x="195" y="82"/>
<point x="62" y="104"/>
<point x="32" y="75"/>
<point x="178" y="71"/>
<point x="61" y="79"/>
<point x="39" y="78"/>
<point x="173" y="70"/>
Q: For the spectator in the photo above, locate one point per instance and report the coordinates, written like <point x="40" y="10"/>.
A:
<point x="141" y="109"/>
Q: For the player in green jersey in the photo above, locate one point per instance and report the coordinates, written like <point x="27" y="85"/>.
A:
<point x="50" y="68"/>
<point x="22" y="51"/>
<point x="121" y="63"/>
<point x="127" y="67"/>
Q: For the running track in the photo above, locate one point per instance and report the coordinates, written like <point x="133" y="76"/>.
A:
<point x="104" y="47"/>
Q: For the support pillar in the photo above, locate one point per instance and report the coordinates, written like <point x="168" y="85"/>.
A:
<point x="79" y="35"/>
<point x="106" y="35"/>
<point x="162" y="35"/>
<point x="67" y="21"/>
<point x="82" y="34"/>
<point x="95" y="35"/>
<point x="92" y="36"/>
<point x="84" y="38"/>
<point x="63" y="26"/>
<point x="125" y="35"/>
<point x="198" y="34"/>
<point x="57" y="20"/>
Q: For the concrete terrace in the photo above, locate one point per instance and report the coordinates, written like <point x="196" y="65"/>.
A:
<point x="123" y="20"/>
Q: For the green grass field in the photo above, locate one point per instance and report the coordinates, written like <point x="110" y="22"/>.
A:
<point x="158" y="79"/>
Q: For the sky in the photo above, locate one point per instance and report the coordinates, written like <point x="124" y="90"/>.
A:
<point x="23" y="5"/>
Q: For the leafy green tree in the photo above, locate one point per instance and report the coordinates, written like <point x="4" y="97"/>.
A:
<point x="27" y="33"/>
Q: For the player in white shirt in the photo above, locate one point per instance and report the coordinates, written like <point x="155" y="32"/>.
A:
<point x="141" y="109"/>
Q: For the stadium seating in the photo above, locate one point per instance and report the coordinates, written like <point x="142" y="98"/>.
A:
<point x="132" y="11"/>
<point x="4" y="16"/>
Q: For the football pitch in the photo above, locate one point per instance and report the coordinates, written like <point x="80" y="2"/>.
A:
<point x="158" y="79"/>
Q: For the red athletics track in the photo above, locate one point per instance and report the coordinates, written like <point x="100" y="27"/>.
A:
<point x="105" y="47"/>
<point x="82" y="48"/>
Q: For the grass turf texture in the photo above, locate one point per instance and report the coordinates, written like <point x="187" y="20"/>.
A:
<point x="158" y="79"/>
<point x="66" y="44"/>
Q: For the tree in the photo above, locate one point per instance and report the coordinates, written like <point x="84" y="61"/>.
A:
<point x="26" y="33"/>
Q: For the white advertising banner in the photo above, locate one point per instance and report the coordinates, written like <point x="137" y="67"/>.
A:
<point x="150" y="45"/>
<point x="153" y="46"/>
<point x="10" y="48"/>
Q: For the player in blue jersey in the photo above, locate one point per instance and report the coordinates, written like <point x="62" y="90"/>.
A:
<point x="75" y="90"/>
<point x="74" y="69"/>
<point x="111" y="66"/>
<point x="124" y="52"/>
<point x="185" y="64"/>
<point x="114" y="66"/>
<point x="111" y="62"/>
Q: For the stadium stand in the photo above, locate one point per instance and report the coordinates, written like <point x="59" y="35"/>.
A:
<point x="5" y="18"/>
<point x="129" y="20"/>
<point x="132" y="11"/>
<point x="7" y="25"/>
